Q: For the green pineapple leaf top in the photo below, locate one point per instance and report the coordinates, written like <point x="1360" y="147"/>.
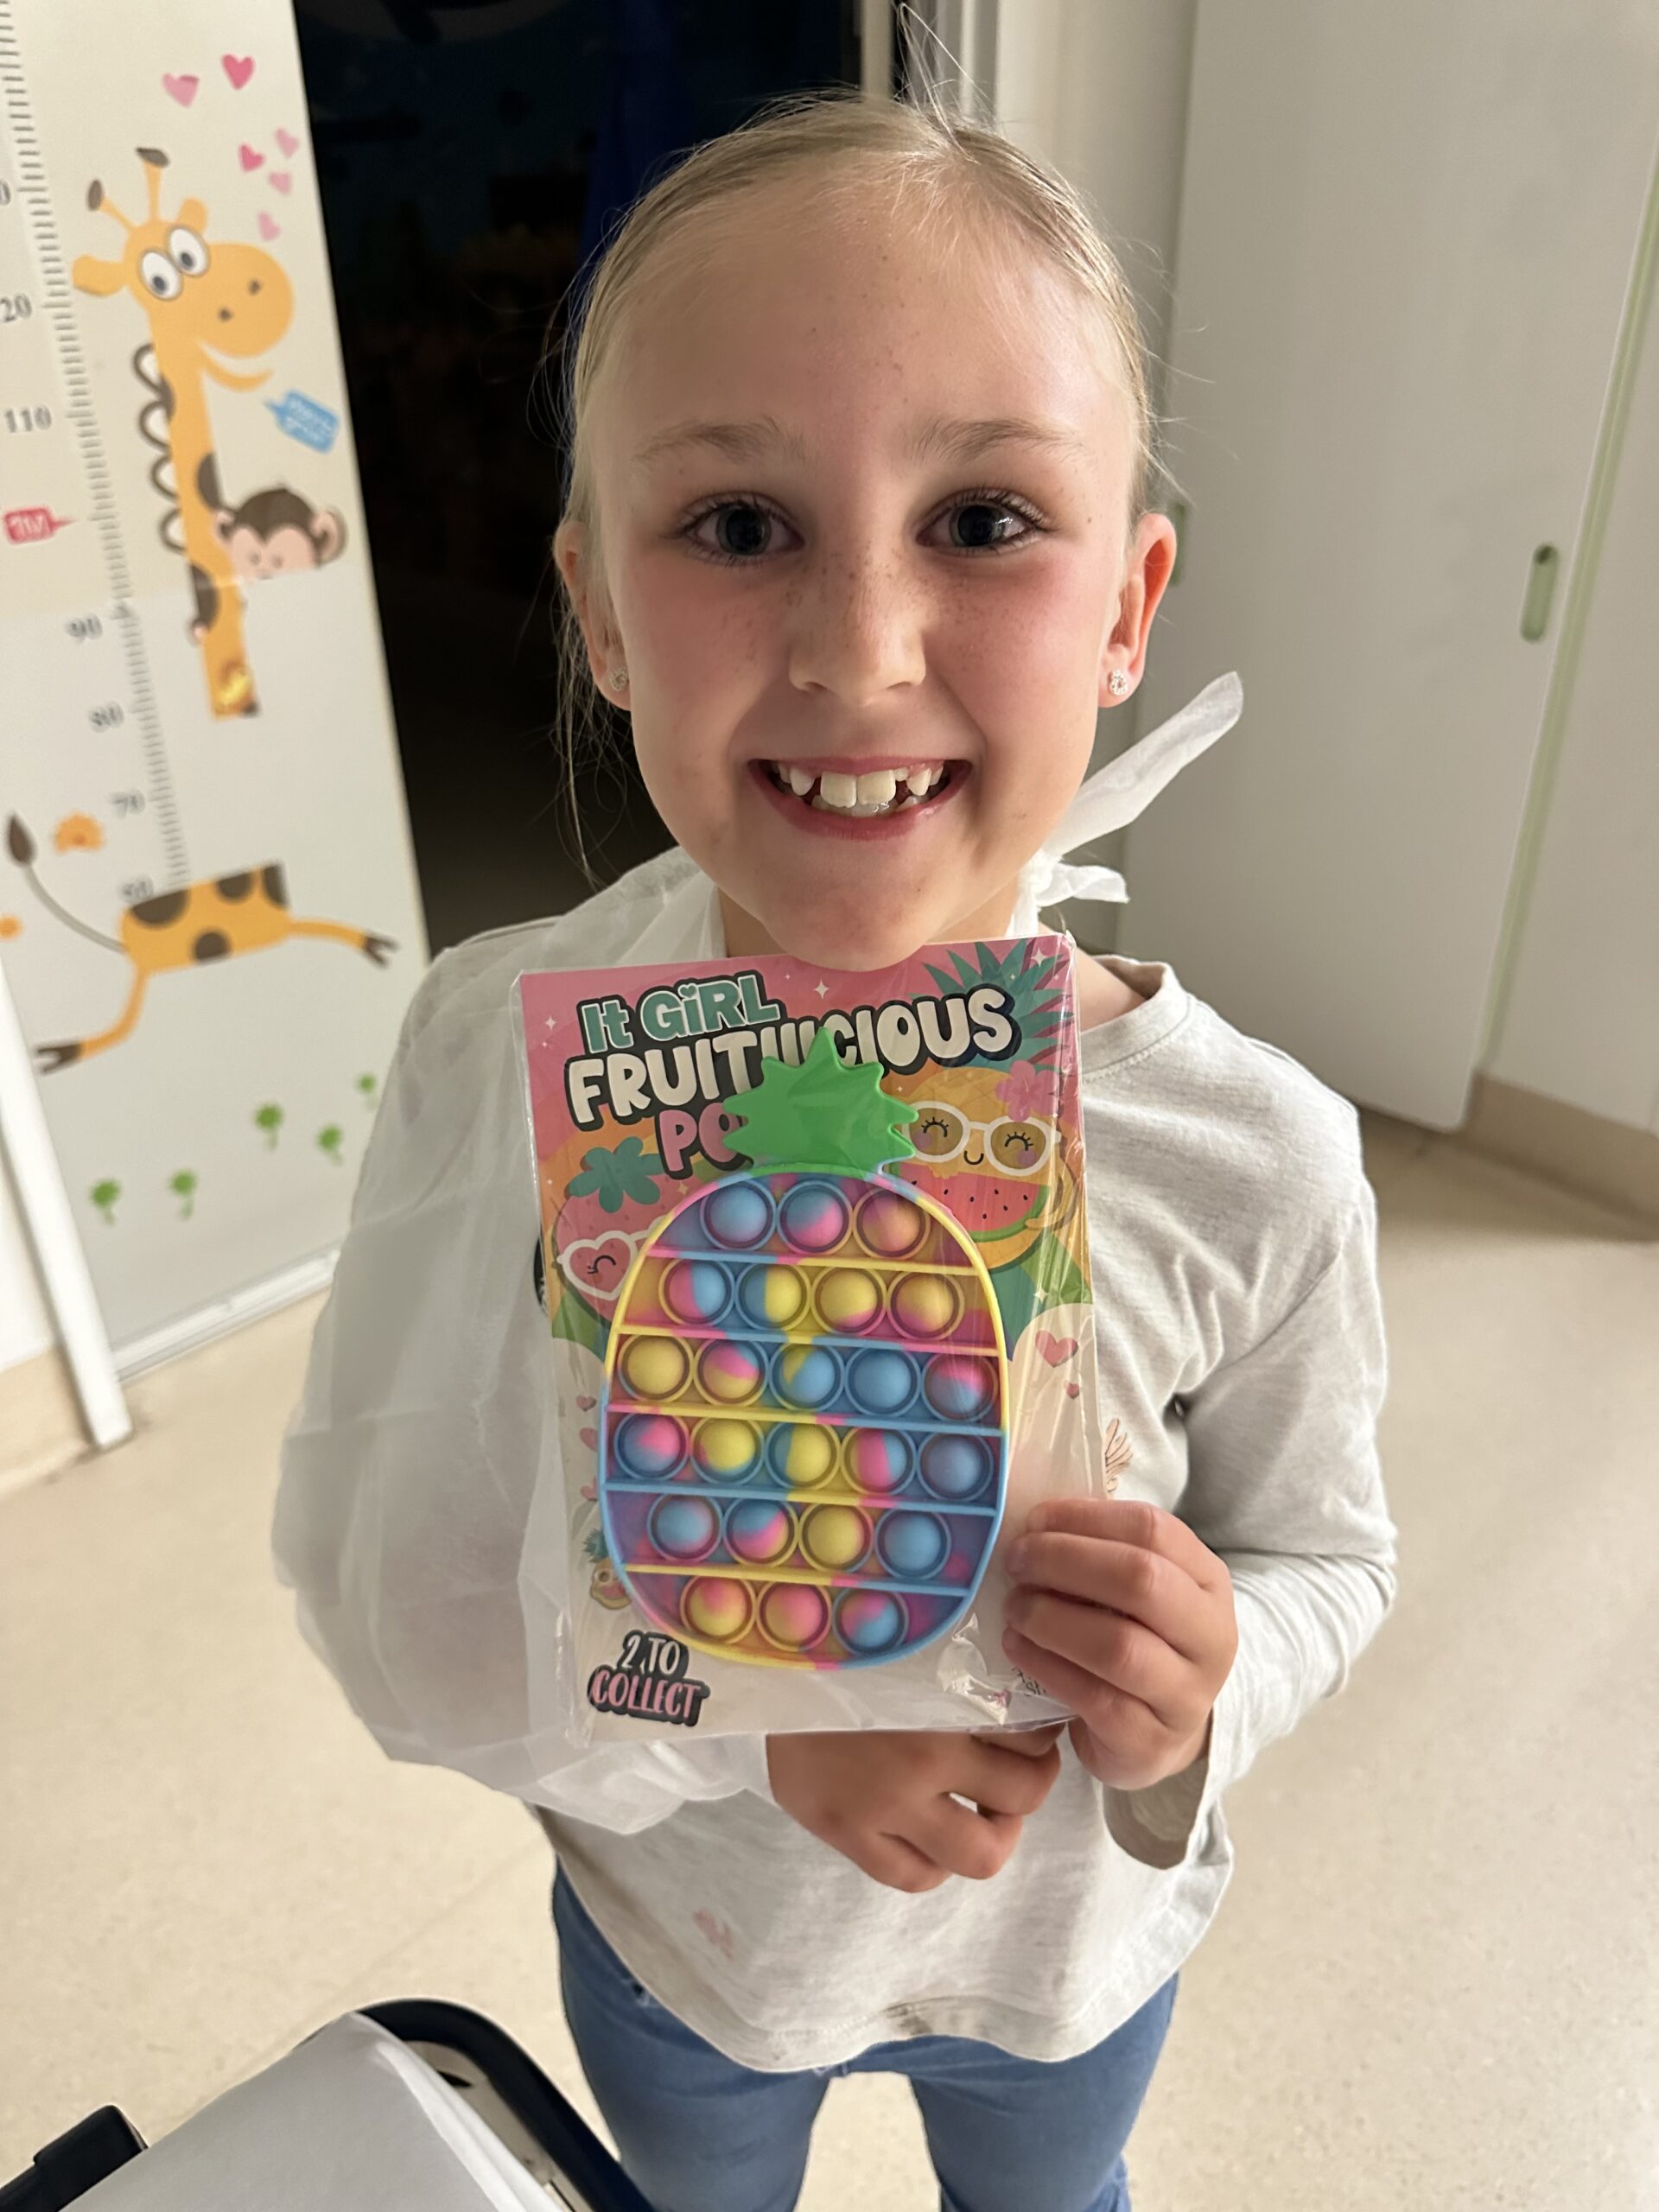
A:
<point x="1036" y="1001"/>
<point x="823" y="1113"/>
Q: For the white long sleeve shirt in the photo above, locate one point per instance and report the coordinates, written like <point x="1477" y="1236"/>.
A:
<point x="1241" y="1352"/>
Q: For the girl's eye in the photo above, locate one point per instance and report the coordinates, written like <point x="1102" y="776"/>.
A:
<point x="988" y="511"/>
<point x="744" y="535"/>
<point x="744" y="540"/>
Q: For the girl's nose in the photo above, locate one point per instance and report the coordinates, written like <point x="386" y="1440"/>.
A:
<point x="858" y="630"/>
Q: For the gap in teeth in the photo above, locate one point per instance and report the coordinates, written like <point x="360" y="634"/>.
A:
<point x="878" y="791"/>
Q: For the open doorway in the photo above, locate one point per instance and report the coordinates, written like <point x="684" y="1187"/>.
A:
<point x="470" y="156"/>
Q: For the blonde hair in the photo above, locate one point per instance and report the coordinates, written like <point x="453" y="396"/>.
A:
<point x="939" y="171"/>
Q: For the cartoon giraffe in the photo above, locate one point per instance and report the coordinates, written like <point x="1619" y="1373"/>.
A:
<point x="200" y="302"/>
<point x="215" y="919"/>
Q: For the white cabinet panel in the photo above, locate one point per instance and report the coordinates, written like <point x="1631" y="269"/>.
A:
<point x="1407" y="235"/>
<point x="1582" y="1021"/>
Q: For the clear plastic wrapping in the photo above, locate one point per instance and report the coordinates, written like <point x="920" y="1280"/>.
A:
<point x="816" y="1263"/>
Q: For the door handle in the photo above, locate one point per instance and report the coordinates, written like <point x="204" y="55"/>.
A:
<point x="1540" y="593"/>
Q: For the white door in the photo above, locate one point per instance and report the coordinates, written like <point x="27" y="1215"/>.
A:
<point x="1407" y="237"/>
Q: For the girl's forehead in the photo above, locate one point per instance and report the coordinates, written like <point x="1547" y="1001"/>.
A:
<point x="828" y="323"/>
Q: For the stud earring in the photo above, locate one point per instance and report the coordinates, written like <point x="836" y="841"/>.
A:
<point x="620" y="678"/>
<point x="1117" y="684"/>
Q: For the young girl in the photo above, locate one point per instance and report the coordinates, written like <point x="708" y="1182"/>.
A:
<point x="858" y="517"/>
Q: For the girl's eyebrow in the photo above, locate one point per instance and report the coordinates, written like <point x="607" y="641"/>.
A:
<point x="951" y="436"/>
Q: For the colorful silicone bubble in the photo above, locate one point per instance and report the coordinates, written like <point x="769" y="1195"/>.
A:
<point x="800" y="1453"/>
<point x="759" y="1533"/>
<point x="926" y="1305"/>
<point x="655" y="1367"/>
<point x="685" y="1528"/>
<point x="695" y="1291"/>
<point x="956" y="1467"/>
<point x="806" y="1376"/>
<point x="880" y="1381"/>
<point x="813" y="1217"/>
<point x="848" y="1301"/>
<point x="870" y="1621"/>
<point x="878" y="1459"/>
<point x="650" y="1444"/>
<point x="730" y="1374"/>
<point x="891" y="1226"/>
<point x="771" y="1296"/>
<point x="794" y="1616"/>
<point x="726" y="1451"/>
<point x="716" y="1608"/>
<point x="777" y="1485"/>
<point x="737" y="1217"/>
<point x="959" y="1389"/>
<point x="836" y="1536"/>
<point x="913" y="1544"/>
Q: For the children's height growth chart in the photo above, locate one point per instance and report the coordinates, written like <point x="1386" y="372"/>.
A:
<point x="208" y="916"/>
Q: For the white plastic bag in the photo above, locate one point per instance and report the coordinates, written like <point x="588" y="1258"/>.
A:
<point x="424" y="1456"/>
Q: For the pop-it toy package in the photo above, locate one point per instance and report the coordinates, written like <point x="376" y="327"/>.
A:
<point x="815" y="1258"/>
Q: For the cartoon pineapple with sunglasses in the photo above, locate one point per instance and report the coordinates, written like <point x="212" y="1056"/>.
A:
<point x="992" y="1155"/>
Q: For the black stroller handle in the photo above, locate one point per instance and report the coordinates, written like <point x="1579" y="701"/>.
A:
<point x="86" y="2154"/>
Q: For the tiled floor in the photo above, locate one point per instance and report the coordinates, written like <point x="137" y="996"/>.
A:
<point x="1435" y="1981"/>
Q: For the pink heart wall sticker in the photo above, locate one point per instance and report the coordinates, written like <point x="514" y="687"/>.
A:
<point x="267" y="228"/>
<point x="237" y="67"/>
<point x="586" y="1404"/>
<point x="281" y="180"/>
<point x="288" y="141"/>
<point x="1056" y="1349"/>
<point x="183" y="89"/>
<point x="249" y="159"/>
<point x="590" y="1438"/>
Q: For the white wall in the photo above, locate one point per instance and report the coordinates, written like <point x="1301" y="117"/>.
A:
<point x="25" y="1326"/>
<point x="1099" y="89"/>
<point x="1582" y="1022"/>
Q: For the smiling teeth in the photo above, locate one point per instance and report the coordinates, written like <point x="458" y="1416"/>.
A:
<point x="878" y="791"/>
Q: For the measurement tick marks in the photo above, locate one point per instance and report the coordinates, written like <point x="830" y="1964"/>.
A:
<point x="33" y="193"/>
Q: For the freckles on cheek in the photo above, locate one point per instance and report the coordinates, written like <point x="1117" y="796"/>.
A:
<point x="1020" y="650"/>
<point x="687" y="618"/>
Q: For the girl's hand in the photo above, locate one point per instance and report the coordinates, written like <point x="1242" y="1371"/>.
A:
<point x="1120" y="1611"/>
<point x="888" y="1800"/>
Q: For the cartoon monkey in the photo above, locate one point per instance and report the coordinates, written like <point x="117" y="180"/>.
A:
<point x="274" y="532"/>
<point x="277" y="530"/>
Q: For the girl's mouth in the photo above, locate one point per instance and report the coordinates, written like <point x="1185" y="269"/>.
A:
<point x="869" y="795"/>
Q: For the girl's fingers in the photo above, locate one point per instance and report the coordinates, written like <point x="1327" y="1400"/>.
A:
<point x="1005" y="1782"/>
<point x="1143" y="1584"/>
<point x="1131" y="1521"/>
<point x="976" y="1845"/>
<point x="1109" y="1648"/>
<point x="892" y="1860"/>
<point x="1131" y="1729"/>
<point x="1024" y="1743"/>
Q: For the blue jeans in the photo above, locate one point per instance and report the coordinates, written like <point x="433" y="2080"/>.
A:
<point x="697" y="2132"/>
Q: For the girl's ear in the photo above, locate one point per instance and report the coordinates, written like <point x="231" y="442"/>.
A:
<point x="599" y="632"/>
<point x="1152" y="561"/>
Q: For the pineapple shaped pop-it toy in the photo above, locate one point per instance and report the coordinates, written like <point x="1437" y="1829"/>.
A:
<point x="805" y="1432"/>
